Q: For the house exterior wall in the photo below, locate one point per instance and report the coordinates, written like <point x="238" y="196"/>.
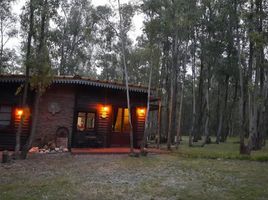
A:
<point x="92" y="99"/>
<point x="56" y="112"/>
<point x="8" y="134"/>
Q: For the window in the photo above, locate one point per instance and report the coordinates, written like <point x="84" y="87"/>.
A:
<point x="121" y="123"/>
<point x="85" y="121"/>
<point x="5" y="116"/>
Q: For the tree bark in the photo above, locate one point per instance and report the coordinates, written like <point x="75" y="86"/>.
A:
<point x="198" y="132"/>
<point x="39" y="88"/>
<point x="126" y="78"/>
<point x="243" y="148"/>
<point x="221" y="135"/>
<point x="31" y="138"/>
<point x="27" y="80"/>
<point x="172" y="113"/>
<point x="206" y="136"/>
<point x="165" y="92"/>
<point x="159" y="124"/>
<point x="146" y="131"/>
<point x="191" y="133"/>
<point x="181" y="98"/>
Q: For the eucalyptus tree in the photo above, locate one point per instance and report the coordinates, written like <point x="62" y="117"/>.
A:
<point x="8" y="30"/>
<point x="171" y="23"/>
<point x="146" y="63"/>
<point x="124" y="24"/>
<point x="40" y="71"/>
<point x="105" y="44"/>
<point x="28" y="20"/>
<point x="72" y="38"/>
<point x="154" y="32"/>
<point x="257" y="73"/>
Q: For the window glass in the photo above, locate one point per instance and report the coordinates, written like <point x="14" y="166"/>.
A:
<point x="118" y="122"/>
<point x="81" y="121"/>
<point x="90" y="120"/>
<point x="85" y="121"/>
<point x="126" y="126"/>
<point x="122" y="120"/>
<point x="5" y="116"/>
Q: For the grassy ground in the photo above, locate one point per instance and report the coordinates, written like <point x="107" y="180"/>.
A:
<point x="228" y="150"/>
<point x="182" y="174"/>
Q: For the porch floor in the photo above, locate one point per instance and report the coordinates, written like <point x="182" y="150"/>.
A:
<point x="114" y="150"/>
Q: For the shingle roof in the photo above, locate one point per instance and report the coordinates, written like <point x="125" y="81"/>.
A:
<point x="76" y="80"/>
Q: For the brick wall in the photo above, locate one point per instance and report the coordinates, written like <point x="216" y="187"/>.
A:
<point x="56" y="111"/>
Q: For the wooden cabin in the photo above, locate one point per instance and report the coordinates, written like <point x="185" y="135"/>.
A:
<point x="74" y="112"/>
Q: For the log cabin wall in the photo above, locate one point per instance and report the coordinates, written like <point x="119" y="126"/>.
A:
<point x="139" y="127"/>
<point x="93" y="99"/>
<point x="55" y="114"/>
<point x="102" y="125"/>
<point x="9" y="105"/>
<point x="59" y="108"/>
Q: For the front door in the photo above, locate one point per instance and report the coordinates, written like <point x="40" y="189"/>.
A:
<point x="120" y="128"/>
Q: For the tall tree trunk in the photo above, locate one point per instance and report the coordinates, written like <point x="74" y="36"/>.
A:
<point x="249" y="82"/>
<point x="41" y="56"/>
<point x="27" y="77"/>
<point x="219" y="131"/>
<point x="181" y="98"/>
<point x="229" y="119"/>
<point x="178" y="137"/>
<point x="164" y="92"/>
<point x="170" y="116"/>
<point x="1" y="45"/>
<point x="198" y="132"/>
<point x="172" y="112"/>
<point x="31" y="138"/>
<point x="159" y="123"/>
<point x="126" y="78"/>
<point x="255" y="137"/>
<point x="219" y="113"/>
<point x="206" y="138"/>
<point x="146" y="132"/>
<point x="191" y="133"/>
<point x="221" y="135"/>
<point x="243" y="148"/>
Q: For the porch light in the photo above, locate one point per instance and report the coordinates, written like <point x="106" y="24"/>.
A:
<point x="141" y="111"/>
<point x="19" y="112"/>
<point x="104" y="112"/>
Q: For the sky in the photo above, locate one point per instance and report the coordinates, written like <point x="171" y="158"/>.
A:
<point x="134" y="33"/>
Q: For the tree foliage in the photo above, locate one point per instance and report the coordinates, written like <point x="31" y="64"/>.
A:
<point x="208" y="58"/>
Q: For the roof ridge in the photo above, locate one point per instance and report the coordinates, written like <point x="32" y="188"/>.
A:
<point x="79" y="80"/>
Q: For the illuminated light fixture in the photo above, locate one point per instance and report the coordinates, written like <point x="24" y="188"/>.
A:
<point x="141" y="111"/>
<point x="105" y="109"/>
<point x="19" y="112"/>
<point x="104" y="112"/>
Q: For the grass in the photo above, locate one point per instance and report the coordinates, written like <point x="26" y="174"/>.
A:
<point x="212" y="172"/>
<point x="228" y="150"/>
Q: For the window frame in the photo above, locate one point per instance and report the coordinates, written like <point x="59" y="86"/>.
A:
<point x="86" y="118"/>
